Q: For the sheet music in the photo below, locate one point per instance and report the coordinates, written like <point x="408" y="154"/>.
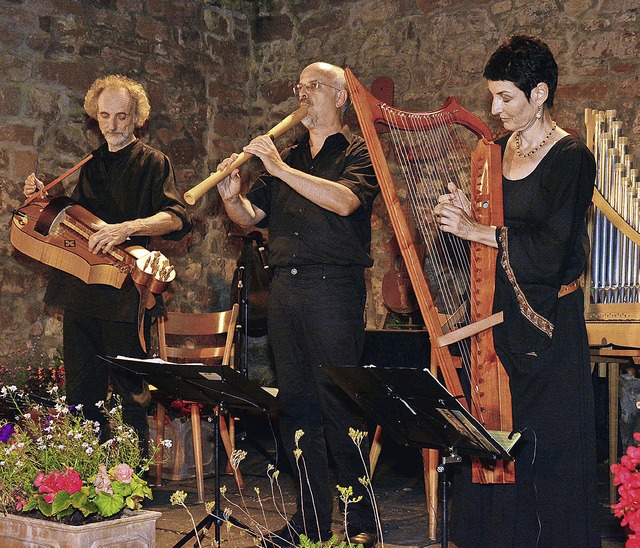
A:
<point x="154" y="360"/>
<point x="506" y="439"/>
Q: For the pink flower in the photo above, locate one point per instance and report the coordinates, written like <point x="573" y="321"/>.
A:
<point x="20" y="503"/>
<point x="38" y="481"/>
<point x="102" y="482"/>
<point x="123" y="473"/>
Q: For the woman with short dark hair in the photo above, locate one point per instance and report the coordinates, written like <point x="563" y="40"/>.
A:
<point x="548" y="179"/>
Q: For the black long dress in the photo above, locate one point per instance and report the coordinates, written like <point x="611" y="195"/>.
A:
<point x="543" y="347"/>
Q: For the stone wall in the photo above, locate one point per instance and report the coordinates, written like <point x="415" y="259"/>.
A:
<point x="219" y="72"/>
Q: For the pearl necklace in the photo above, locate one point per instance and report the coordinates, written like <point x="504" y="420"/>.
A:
<point x="531" y="152"/>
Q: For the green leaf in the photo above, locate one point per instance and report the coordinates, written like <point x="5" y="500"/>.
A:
<point x="44" y="507"/>
<point x="109" y="505"/>
<point x="81" y="501"/>
<point x="119" y="488"/>
<point x="60" y="502"/>
<point x="33" y="503"/>
<point x="65" y="512"/>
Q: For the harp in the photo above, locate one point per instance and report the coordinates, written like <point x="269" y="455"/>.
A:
<point x="415" y="156"/>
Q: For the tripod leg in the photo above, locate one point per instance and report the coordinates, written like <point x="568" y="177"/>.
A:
<point x="445" y="509"/>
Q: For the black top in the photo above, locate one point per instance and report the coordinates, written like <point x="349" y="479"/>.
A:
<point x="544" y="243"/>
<point x="135" y="182"/>
<point x="303" y="233"/>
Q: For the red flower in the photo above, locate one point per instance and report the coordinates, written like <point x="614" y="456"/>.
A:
<point x="626" y="475"/>
<point x="69" y="481"/>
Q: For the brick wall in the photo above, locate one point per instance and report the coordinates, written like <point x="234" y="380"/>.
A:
<point x="219" y="72"/>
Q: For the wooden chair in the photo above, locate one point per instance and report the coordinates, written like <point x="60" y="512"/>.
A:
<point x="207" y="338"/>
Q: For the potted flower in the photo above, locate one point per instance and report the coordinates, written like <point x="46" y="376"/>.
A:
<point x="626" y="475"/>
<point x="55" y="472"/>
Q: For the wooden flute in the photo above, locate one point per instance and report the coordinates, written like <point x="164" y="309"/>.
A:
<point x="194" y="194"/>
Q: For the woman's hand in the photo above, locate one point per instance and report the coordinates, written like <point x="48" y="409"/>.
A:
<point x="453" y="215"/>
<point x="451" y="218"/>
<point x="457" y="198"/>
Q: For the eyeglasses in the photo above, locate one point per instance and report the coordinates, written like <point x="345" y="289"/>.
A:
<point x="311" y="86"/>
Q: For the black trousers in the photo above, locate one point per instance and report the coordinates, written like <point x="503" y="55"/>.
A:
<point x="316" y="317"/>
<point x="87" y="376"/>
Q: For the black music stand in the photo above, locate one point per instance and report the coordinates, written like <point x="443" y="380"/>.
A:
<point x="418" y="411"/>
<point x="217" y="385"/>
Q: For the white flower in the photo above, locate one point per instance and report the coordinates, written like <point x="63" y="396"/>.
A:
<point x="167" y="443"/>
<point x="100" y="403"/>
<point x="13" y="388"/>
<point x="88" y="450"/>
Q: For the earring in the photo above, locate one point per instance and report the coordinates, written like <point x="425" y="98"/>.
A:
<point x="539" y="113"/>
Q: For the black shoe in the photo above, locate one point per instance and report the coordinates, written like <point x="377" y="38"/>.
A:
<point x="367" y="540"/>
<point x="289" y="536"/>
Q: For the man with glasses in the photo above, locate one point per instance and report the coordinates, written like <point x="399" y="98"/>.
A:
<point x="316" y="200"/>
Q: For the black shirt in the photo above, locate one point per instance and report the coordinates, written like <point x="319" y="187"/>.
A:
<point x="135" y="182"/>
<point x="303" y="233"/>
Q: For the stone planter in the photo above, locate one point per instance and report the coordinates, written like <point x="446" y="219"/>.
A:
<point x="137" y="530"/>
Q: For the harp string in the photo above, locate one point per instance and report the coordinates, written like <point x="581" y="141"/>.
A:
<point x="428" y="160"/>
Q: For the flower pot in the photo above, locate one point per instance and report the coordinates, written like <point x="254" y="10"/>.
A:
<point x="136" y="530"/>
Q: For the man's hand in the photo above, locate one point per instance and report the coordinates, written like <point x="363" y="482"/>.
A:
<point x="263" y="147"/>
<point x="108" y="236"/>
<point x="31" y="185"/>
<point x="229" y="187"/>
